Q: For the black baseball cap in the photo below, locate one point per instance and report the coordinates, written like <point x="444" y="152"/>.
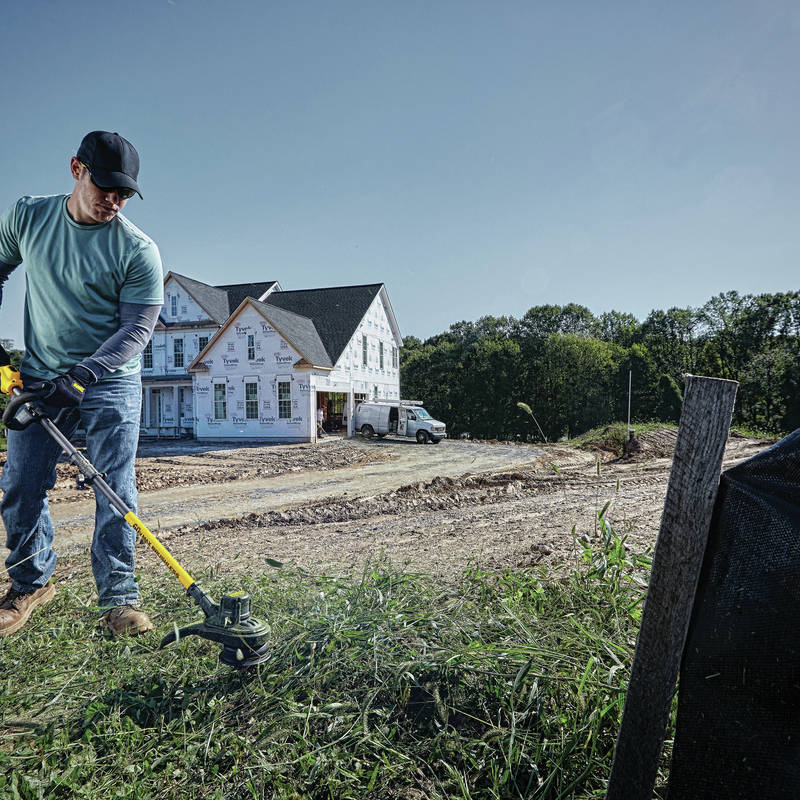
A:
<point x="111" y="159"/>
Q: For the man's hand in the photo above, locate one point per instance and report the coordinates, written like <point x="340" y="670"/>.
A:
<point x="67" y="390"/>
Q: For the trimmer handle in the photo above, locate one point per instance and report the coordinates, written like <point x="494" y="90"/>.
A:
<point x="23" y="409"/>
<point x="176" y="634"/>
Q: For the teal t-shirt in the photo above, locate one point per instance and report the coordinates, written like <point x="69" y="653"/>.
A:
<point x="75" y="278"/>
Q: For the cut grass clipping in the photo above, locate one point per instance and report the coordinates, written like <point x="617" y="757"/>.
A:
<point x="506" y="686"/>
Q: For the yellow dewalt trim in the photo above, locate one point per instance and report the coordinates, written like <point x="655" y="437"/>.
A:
<point x="180" y="573"/>
<point x="9" y="379"/>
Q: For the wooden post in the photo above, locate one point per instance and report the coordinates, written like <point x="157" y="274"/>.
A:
<point x="678" y="557"/>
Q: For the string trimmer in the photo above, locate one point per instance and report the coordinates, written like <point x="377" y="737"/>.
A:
<point x="229" y="623"/>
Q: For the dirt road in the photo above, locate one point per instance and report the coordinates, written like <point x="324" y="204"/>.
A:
<point x="220" y="484"/>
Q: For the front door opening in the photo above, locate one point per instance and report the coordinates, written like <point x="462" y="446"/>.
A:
<point x="333" y="405"/>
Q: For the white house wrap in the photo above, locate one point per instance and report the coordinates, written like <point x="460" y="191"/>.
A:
<point x="261" y="369"/>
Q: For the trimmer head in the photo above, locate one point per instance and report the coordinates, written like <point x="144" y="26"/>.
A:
<point x="239" y="660"/>
<point x="243" y="637"/>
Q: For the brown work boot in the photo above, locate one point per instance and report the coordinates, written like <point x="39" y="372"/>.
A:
<point x="16" y="607"/>
<point x="125" y="621"/>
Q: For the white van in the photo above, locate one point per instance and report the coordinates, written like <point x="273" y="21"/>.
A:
<point x="401" y="417"/>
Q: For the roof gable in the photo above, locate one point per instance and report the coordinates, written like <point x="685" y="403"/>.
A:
<point x="297" y="330"/>
<point x="219" y="302"/>
<point x="212" y="300"/>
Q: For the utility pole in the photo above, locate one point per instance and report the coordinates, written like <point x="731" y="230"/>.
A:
<point x="630" y="372"/>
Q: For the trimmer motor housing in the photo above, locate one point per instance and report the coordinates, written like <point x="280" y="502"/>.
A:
<point x="243" y="637"/>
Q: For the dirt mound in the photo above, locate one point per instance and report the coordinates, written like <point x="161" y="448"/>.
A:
<point x="659" y="443"/>
<point x="438" y="494"/>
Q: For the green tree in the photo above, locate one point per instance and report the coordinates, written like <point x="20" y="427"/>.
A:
<point x="432" y="373"/>
<point x="619" y="328"/>
<point x="670" y="399"/>
<point x="753" y="339"/>
<point x="540" y="322"/>
<point x="578" y="377"/>
<point x="572" y="368"/>
<point x="491" y="380"/>
<point x="671" y="339"/>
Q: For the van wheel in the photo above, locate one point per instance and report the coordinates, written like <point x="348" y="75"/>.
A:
<point x="435" y="441"/>
<point x="422" y="437"/>
<point x="368" y="431"/>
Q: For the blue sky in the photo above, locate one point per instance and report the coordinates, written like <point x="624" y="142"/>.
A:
<point x="478" y="158"/>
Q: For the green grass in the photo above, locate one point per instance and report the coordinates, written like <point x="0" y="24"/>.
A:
<point x="613" y="437"/>
<point x="507" y="685"/>
<point x="756" y="433"/>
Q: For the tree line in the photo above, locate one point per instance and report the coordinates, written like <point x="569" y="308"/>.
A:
<point x="572" y="367"/>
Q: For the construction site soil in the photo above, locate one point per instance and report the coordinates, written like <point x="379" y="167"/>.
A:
<point x="331" y="508"/>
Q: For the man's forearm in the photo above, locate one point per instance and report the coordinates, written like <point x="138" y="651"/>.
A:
<point x="136" y="326"/>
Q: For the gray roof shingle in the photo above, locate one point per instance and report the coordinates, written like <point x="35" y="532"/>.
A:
<point x="238" y="291"/>
<point x="299" y="331"/>
<point x="336" y="311"/>
<point x="221" y="301"/>
<point x="213" y="300"/>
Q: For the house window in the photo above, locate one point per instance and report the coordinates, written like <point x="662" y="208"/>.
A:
<point x="364" y="349"/>
<point x="220" y="405"/>
<point x="177" y="352"/>
<point x="155" y="408"/>
<point x="394" y="358"/>
<point x="284" y="400"/>
<point x="251" y="348"/>
<point x="251" y="401"/>
<point x="202" y="341"/>
<point x="380" y="354"/>
<point x="147" y="356"/>
<point x="174" y="305"/>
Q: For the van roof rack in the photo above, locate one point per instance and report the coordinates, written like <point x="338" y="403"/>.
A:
<point x="385" y="401"/>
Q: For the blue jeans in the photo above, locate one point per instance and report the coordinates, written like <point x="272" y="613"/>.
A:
<point x="109" y="414"/>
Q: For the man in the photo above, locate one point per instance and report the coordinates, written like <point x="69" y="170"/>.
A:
<point x="320" y="420"/>
<point x="94" y="289"/>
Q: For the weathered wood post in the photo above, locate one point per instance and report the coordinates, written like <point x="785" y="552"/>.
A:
<point x="685" y="522"/>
